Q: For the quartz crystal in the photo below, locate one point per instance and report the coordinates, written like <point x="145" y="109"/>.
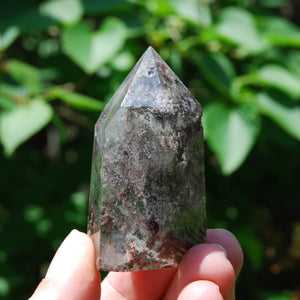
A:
<point x="147" y="198"/>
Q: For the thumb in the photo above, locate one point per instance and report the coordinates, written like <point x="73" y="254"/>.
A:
<point x="72" y="273"/>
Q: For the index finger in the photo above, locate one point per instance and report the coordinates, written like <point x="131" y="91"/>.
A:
<point x="217" y="261"/>
<point x="228" y="241"/>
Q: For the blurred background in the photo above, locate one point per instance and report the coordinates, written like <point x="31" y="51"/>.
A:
<point x="62" y="60"/>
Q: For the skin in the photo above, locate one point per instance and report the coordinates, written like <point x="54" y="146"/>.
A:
<point x="207" y="271"/>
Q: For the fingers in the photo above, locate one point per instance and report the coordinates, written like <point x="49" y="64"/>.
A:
<point x="136" y="285"/>
<point x="208" y="264"/>
<point x="205" y="263"/>
<point x="229" y="242"/>
<point x="207" y="271"/>
<point x="200" y="290"/>
<point x="71" y="274"/>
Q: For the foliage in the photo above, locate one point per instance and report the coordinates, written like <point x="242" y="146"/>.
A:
<point x="61" y="61"/>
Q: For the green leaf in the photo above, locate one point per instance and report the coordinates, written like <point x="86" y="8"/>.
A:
<point x="230" y="133"/>
<point x="288" y="118"/>
<point x="5" y="286"/>
<point x="18" y="93"/>
<point x="218" y="70"/>
<point x="94" y="7"/>
<point x="280" y="31"/>
<point x="26" y="75"/>
<point x="193" y="11"/>
<point x="237" y="26"/>
<point x="292" y="62"/>
<point x="92" y="49"/>
<point x="159" y="8"/>
<point x="64" y="11"/>
<point x="19" y="124"/>
<point x="6" y="102"/>
<point x="29" y="20"/>
<point x="76" y="100"/>
<point x="280" y="78"/>
<point x="123" y="61"/>
<point x="8" y="36"/>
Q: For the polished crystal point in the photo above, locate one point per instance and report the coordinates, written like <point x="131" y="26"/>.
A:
<point x="147" y="198"/>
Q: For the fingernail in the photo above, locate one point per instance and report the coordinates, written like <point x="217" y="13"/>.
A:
<point x="68" y="255"/>
<point x="222" y="248"/>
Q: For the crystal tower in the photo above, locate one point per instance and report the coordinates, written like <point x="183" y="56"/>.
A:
<point x="147" y="194"/>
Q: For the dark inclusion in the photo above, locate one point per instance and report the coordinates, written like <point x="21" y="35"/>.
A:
<point x="147" y="198"/>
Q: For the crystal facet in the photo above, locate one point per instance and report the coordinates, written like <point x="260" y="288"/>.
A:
<point x="147" y="198"/>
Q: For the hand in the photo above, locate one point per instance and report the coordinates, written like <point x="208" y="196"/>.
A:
<point x="207" y="272"/>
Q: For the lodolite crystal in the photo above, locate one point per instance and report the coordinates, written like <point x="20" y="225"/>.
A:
<point x="147" y="198"/>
